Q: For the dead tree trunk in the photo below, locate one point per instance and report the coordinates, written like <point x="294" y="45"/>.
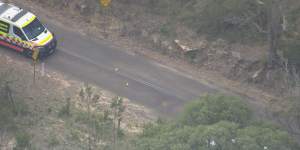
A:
<point x="274" y="33"/>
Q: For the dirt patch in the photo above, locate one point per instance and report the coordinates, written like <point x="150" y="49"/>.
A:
<point x="46" y="99"/>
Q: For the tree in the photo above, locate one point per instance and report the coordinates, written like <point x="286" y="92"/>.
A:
<point x="118" y="109"/>
<point x="263" y="136"/>
<point x="212" y="109"/>
<point x="216" y="136"/>
<point x="220" y="133"/>
<point x="275" y="28"/>
<point x="223" y="135"/>
<point x="87" y="94"/>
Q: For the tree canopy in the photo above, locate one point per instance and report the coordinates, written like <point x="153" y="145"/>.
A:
<point x="216" y="123"/>
<point x="212" y="109"/>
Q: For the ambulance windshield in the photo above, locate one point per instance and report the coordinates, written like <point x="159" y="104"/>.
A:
<point x="34" y="29"/>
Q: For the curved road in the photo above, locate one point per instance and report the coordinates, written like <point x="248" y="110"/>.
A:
<point x="137" y="78"/>
<point x="149" y="83"/>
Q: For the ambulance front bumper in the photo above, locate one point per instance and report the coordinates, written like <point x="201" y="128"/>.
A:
<point x="48" y="49"/>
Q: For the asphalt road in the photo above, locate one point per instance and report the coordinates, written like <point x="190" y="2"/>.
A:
<point x="133" y="76"/>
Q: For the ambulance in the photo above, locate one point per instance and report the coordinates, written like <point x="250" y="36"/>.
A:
<point x="22" y="31"/>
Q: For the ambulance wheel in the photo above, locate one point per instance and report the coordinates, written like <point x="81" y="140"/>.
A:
<point x="27" y="53"/>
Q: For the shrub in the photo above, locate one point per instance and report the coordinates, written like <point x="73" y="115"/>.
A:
<point x="291" y="51"/>
<point x="213" y="123"/>
<point x="230" y="19"/>
<point x="212" y="109"/>
<point x="53" y="141"/>
<point x="22" y="140"/>
<point x="65" y="110"/>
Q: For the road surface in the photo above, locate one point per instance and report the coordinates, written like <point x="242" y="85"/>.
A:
<point x="133" y="76"/>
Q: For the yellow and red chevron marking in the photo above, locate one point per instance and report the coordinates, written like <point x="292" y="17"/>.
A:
<point x="15" y="43"/>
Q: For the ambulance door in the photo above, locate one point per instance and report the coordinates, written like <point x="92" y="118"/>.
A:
<point x="17" y="32"/>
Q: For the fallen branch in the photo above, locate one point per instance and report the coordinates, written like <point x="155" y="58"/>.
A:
<point x="182" y="47"/>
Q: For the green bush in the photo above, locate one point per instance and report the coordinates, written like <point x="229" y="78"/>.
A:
<point x="222" y="135"/>
<point x="257" y="137"/>
<point x="212" y="109"/>
<point x="221" y="131"/>
<point x="291" y="51"/>
<point x="166" y="30"/>
<point x="22" y="140"/>
<point x="66" y="109"/>
<point x="53" y="141"/>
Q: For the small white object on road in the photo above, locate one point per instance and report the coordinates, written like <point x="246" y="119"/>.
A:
<point x="116" y="69"/>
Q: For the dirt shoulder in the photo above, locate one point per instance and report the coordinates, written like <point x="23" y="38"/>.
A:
<point x="45" y="101"/>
